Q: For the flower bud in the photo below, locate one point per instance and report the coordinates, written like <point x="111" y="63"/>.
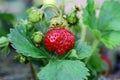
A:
<point x="4" y="41"/>
<point x="58" y="22"/>
<point x="34" y="15"/>
<point x="37" y="37"/>
<point x="23" y="60"/>
<point x="72" y="18"/>
<point x="29" y="25"/>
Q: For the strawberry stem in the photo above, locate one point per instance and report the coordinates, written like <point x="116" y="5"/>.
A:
<point x="51" y="6"/>
<point x="83" y="32"/>
<point x="32" y="71"/>
<point x="95" y="44"/>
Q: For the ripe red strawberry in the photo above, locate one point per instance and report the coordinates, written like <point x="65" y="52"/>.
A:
<point x="59" y="40"/>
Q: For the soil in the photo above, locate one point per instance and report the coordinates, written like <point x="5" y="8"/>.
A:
<point x="13" y="70"/>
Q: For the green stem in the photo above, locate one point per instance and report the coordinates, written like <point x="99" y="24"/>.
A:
<point x="32" y="71"/>
<point x="95" y="44"/>
<point x="83" y="32"/>
<point x="51" y="6"/>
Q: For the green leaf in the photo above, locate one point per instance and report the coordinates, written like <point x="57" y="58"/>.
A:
<point x="64" y="70"/>
<point x="22" y="43"/>
<point x="111" y="39"/>
<point x="89" y="15"/>
<point x="95" y="61"/>
<point x="6" y="16"/>
<point x="109" y="18"/>
<point x="93" y="73"/>
<point x="95" y="66"/>
<point x="82" y="49"/>
<point x="97" y="33"/>
<point x="109" y="23"/>
<point x="2" y="31"/>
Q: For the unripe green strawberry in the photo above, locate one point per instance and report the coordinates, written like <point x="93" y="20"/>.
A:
<point x="4" y="41"/>
<point x="23" y="60"/>
<point x="59" y="40"/>
<point x="72" y="18"/>
<point x="34" y="15"/>
<point x="37" y="37"/>
<point x="29" y="25"/>
<point x="58" y="22"/>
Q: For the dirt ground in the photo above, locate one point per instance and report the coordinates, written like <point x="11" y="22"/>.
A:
<point x="13" y="70"/>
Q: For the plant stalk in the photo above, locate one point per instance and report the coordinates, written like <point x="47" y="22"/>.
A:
<point x="83" y="32"/>
<point x="51" y="6"/>
<point x="32" y="71"/>
<point x="94" y="46"/>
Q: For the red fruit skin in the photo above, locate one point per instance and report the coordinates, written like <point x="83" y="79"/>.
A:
<point x="59" y="40"/>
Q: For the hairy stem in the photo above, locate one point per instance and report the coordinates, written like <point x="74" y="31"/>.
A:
<point x="83" y="32"/>
<point x="32" y="71"/>
<point x="94" y="46"/>
<point x="51" y="6"/>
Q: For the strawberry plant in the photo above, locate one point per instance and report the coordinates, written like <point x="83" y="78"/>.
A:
<point x="60" y="44"/>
